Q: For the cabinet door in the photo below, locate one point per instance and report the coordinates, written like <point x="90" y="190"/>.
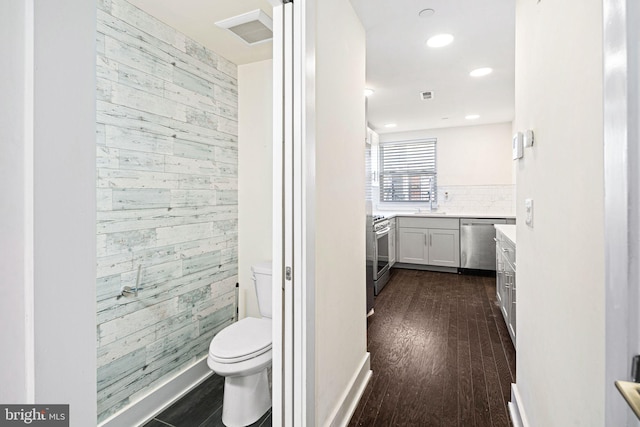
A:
<point x="512" y="311"/>
<point x="412" y="244"/>
<point x="392" y="246"/>
<point x="499" y="276"/>
<point x="505" y="307"/>
<point x="444" y="248"/>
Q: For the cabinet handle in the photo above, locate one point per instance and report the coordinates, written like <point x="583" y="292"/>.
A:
<point x="505" y="250"/>
<point x="430" y="236"/>
<point x="425" y="239"/>
<point x="495" y="240"/>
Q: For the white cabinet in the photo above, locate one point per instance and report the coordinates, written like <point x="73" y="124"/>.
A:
<point x="392" y="243"/>
<point x="506" y="281"/>
<point x="412" y="245"/>
<point x="429" y="241"/>
<point x="444" y="248"/>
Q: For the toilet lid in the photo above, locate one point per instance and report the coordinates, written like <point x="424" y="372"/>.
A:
<point x="242" y="340"/>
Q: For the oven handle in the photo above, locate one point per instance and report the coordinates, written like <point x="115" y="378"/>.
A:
<point x="383" y="231"/>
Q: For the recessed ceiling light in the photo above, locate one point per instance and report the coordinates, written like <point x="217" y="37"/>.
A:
<point x="480" y="72"/>
<point x="390" y="125"/>
<point x="426" y="13"/>
<point x="472" y="117"/>
<point x="368" y="92"/>
<point x="440" y="40"/>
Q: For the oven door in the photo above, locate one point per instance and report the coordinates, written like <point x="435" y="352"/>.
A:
<point x="381" y="256"/>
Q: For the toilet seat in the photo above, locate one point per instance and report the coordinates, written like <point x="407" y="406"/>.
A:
<point x="243" y="340"/>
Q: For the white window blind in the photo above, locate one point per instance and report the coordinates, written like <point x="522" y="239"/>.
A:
<point x="408" y="171"/>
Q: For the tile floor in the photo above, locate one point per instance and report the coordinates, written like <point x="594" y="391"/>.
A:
<point x="201" y="407"/>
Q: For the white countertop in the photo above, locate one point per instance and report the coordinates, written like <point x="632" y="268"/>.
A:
<point x="388" y="214"/>
<point x="508" y="230"/>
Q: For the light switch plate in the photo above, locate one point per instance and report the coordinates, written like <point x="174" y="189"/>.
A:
<point x="528" y="208"/>
<point x="517" y="145"/>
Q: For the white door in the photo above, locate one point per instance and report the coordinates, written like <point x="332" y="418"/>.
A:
<point x="622" y="197"/>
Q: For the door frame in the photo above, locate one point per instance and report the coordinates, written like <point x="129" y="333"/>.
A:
<point x="294" y="212"/>
<point x="622" y="199"/>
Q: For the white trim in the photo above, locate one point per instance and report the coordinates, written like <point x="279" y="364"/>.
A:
<point x="516" y="409"/>
<point x="28" y="206"/>
<point x="620" y="97"/>
<point x="277" y="288"/>
<point x="348" y="402"/>
<point x="298" y="205"/>
<point x="308" y="196"/>
<point x="292" y="285"/>
<point x="161" y="397"/>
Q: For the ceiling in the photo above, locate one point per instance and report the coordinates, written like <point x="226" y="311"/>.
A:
<point x="197" y="18"/>
<point x="399" y="64"/>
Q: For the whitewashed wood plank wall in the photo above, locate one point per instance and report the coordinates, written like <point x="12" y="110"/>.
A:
<point x="167" y="161"/>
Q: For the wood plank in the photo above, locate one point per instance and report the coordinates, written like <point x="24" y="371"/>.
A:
<point x="432" y="340"/>
<point x="497" y="406"/>
<point x="166" y="152"/>
<point x="482" y="414"/>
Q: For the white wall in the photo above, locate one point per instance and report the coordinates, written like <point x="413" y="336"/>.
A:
<point x="469" y="155"/>
<point x="560" y="351"/>
<point x="255" y="154"/>
<point x="340" y="208"/>
<point x="15" y="156"/>
<point x="63" y="197"/>
<point x="65" y="207"/>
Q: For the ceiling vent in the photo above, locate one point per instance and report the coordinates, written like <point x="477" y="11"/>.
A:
<point x="252" y="27"/>
<point x="428" y="94"/>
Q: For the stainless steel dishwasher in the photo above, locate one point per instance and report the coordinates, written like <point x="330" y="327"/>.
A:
<point x="477" y="244"/>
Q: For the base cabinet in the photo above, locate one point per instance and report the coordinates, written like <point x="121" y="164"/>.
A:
<point x="506" y="281"/>
<point x="429" y="241"/>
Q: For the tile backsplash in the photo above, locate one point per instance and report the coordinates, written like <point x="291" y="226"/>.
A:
<point x="483" y="199"/>
<point x="463" y="199"/>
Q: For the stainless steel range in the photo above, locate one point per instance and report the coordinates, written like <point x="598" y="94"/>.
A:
<point x="381" y="253"/>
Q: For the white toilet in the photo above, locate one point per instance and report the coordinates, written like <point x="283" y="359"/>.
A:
<point x="241" y="353"/>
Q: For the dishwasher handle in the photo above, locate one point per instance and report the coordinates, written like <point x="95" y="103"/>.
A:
<point x="481" y="222"/>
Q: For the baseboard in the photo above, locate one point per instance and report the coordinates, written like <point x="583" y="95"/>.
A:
<point x="151" y="404"/>
<point x="425" y="267"/>
<point x="516" y="410"/>
<point x="350" y="398"/>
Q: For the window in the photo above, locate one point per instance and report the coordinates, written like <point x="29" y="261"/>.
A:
<point x="408" y="171"/>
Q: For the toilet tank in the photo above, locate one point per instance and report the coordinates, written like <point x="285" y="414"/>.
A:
<point x="261" y="275"/>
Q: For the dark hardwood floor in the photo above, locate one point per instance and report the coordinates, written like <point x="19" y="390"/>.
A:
<point x="441" y="354"/>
